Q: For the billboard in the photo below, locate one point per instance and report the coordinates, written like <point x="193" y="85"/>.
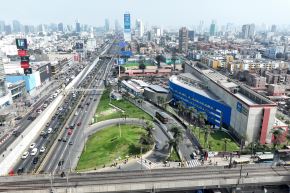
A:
<point x="127" y="22"/>
<point x="21" y="44"/>
<point x="22" y="53"/>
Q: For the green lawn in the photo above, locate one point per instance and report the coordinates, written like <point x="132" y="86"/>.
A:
<point x="215" y="140"/>
<point x="105" y="111"/>
<point x="105" y="146"/>
<point x="173" y="156"/>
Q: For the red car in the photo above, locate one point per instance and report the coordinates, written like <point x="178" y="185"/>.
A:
<point x="69" y="132"/>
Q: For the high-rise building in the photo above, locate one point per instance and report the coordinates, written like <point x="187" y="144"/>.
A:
<point x="8" y="29"/>
<point x="78" y="27"/>
<point x="16" y="26"/>
<point x="248" y="31"/>
<point x="60" y="27"/>
<point x="127" y="27"/>
<point x="3" y="90"/>
<point x="2" y="26"/>
<point x="107" y="25"/>
<point x="26" y="29"/>
<point x="139" y="28"/>
<point x="252" y="31"/>
<point x="191" y="35"/>
<point x="183" y="39"/>
<point x="212" y="29"/>
<point x="274" y="28"/>
<point x="117" y="26"/>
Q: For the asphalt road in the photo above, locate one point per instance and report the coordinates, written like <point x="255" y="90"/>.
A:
<point x="63" y="152"/>
<point x="27" y="164"/>
<point x="186" y="146"/>
<point x="24" y="122"/>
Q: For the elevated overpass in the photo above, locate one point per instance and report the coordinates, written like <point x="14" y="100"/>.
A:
<point x="149" y="180"/>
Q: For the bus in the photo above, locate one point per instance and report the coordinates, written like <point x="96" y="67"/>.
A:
<point x="241" y="160"/>
<point x="266" y="158"/>
<point x="161" y="116"/>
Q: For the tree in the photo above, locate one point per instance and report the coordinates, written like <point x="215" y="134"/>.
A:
<point x="142" y="65"/>
<point x="149" y="128"/>
<point x="277" y="133"/>
<point x="172" y="144"/>
<point x="226" y="141"/>
<point x="177" y="133"/>
<point x="207" y="132"/>
<point x="181" y="107"/>
<point x="158" y="59"/>
<point x="201" y="118"/>
<point x="192" y="112"/>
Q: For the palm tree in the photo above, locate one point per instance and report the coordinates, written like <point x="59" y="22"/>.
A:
<point x="226" y="141"/>
<point x="149" y="128"/>
<point x="277" y="133"/>
<point x="177" y="133"/>
<point x="172" y="144"/>
<point x="207" y="132"/>
<point x="192" y="112"/>
<point x="201" y="121"/>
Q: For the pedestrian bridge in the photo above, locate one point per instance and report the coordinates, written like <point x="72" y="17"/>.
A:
<point x="150" y="180"/>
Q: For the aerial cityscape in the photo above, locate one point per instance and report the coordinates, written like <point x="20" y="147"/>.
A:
<point x="145" y="96"/>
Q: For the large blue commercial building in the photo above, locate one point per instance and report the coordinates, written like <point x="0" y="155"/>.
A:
<point x="30" y="80"/>
<point x="192" y="94"/>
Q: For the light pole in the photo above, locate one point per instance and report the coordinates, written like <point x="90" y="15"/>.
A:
<point x="141" y="159"/>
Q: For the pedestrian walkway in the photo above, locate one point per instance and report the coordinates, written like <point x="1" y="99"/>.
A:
<point x="193" y="163"/>
<point x="147" y="163"/>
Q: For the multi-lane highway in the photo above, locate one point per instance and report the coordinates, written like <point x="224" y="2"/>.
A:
<point x="63" y="132"/>
<point x="37" y="108"/>
<point x="64" y="152"/>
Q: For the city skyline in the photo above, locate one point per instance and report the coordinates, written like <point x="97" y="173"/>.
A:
<point x="151" y="12"/>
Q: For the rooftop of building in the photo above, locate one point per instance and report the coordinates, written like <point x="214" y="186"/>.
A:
<point x="194" y="88"/>
<point x="158" y="88"/>
<point x="241" y="92"/>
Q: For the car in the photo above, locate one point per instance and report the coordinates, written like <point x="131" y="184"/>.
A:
<point x="79" y="123"/>
<point x="59" y="139"/>
<point x="71" y="143"/>
<point x="20" y="170"/>
<point x="25" y="155"/>
<point x="44" y="105"/>
<point x="88" y="103"/>
<point x="18" y="118"/>
<point x="49" y="130"/>
<point x="42" y="149"/>
<point x="35" y="160"/>
<point x="42" y="133"/>
<point x="47" y="124"/>
<point x="69" y="132"/>
<point x="193" y="155"/>
<point x="32" y="145"/>
<point x="30" y="118"/>
<point x="76" y="113"/>
<point x="64" y="140"/>
<point x="38" y="111"/>
<point x="34" y="151"/>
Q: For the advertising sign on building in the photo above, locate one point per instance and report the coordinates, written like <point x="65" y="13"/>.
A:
<point x="22" y="53"/>
<point x="21" y="44"/>
<point x="127" y="23"/>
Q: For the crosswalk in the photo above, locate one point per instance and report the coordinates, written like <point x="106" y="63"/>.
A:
<point x="147" y="163"/>
<point x="193" y="163"/>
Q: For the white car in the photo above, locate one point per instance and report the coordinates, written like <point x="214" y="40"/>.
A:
<point x="34" y="151"/>
<point x="49" y="130"/>
<point x="32" y="146"/>
<point x="42" y="149"/>
<point x="25" y="155"/>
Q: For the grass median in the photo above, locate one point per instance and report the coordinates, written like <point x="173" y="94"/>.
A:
<point x="106" y="146"/>
<point x="105" y="111"/>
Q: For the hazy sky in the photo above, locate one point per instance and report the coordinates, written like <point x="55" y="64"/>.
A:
<point x="154" y="12"/>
